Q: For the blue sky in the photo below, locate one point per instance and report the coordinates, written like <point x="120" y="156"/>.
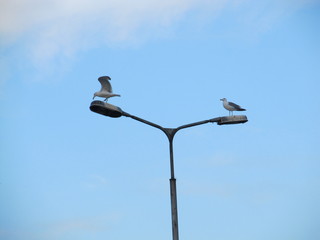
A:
<point x="68" y="173"/>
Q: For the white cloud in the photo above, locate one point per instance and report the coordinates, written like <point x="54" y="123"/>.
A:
<point x="62" y="27"/>
<point x="53" y="30"/>
<point x="18" y="16"/>
<point x="95" y="181"/>
<point x="74" y="227"/>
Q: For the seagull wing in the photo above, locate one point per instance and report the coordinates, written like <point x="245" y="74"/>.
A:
<point x="105" y="84"/>
<point x="237" y="107"/>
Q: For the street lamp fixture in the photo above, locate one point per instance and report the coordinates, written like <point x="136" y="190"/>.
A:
<point x="110" y="110"/>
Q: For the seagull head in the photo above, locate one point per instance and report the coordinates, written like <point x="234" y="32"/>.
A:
<point x="223" y="99"/>
<point x="105" y="77"/>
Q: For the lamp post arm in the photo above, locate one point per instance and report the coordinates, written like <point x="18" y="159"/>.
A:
<point x="170" y="132"/>
<point x="212" y="120"/>
<point x="143" y="121"/>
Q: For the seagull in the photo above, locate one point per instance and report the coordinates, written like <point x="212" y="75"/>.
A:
<point x="106" y="89"/>
<point x="230" y="106"/>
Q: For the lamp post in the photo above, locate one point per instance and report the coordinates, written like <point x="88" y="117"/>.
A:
<point x="115" y="112"/>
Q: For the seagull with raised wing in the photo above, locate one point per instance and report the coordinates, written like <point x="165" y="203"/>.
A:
<point x="230" y="106"/>
<point x="106" y="89"/>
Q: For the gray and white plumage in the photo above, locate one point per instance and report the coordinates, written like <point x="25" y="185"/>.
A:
<point x="106" y="89"/>
<point x="230" y="106"/>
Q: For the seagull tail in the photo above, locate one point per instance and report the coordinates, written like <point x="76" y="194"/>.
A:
<point x="242" y="109"/>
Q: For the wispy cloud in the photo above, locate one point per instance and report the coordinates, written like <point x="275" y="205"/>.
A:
<point x="95" y="181"/>
<point x="221" y="159"/>
<point x="73" y="228"/>
<point x="63" y="27"/>
<point x="55" y="30"/>
<point x="77" y="227"/>
<point x="120" y="17"/>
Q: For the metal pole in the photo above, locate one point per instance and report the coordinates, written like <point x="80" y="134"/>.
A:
<point x="173" y="195"/>
<point x="170" y="132"/>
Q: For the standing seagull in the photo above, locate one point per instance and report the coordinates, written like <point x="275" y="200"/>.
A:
<point x="230" y="106"/>
<point x="106" y="89"/>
